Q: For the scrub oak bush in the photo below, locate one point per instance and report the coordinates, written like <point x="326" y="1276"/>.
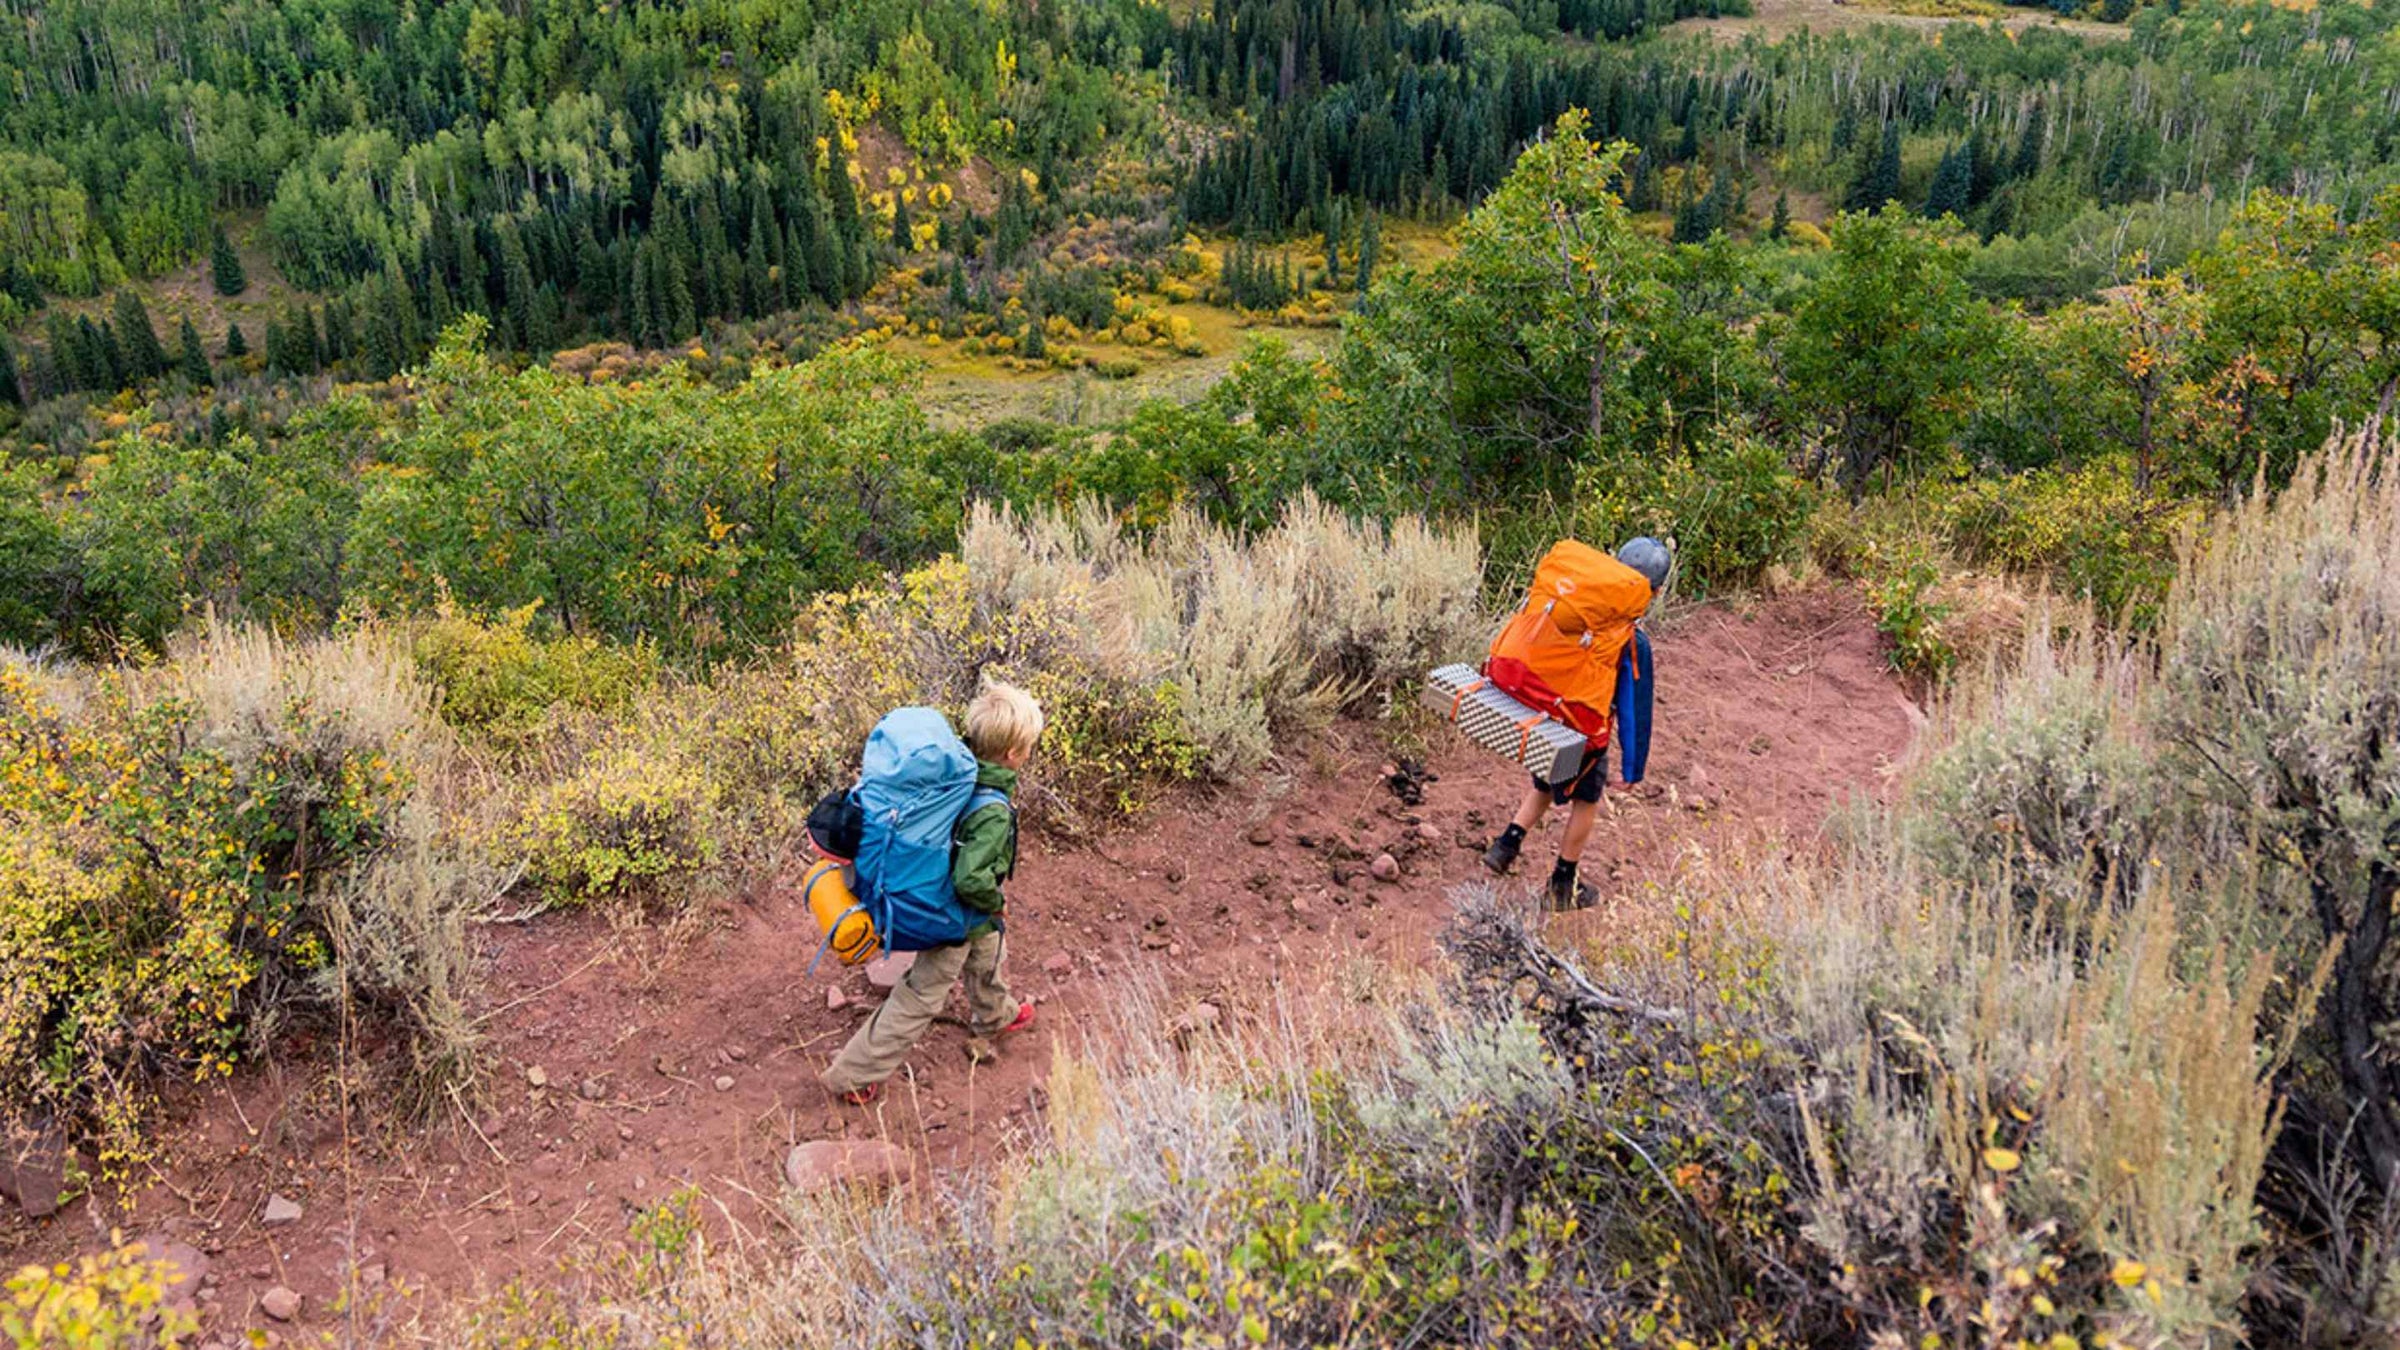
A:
<point x="1730" y="501"/>
<point x="624" y="823"/>
<point x="500" y="681"/>
<point x="194" y="850"/>
<point x="118" y="1300"/>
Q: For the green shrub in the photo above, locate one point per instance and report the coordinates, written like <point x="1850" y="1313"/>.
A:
<point x="502" y="684"/>
<point x="192" y="850"/>
<point x="1731" y="503"/>
<point x="1909" y="612"/>
<point x="2087" y="530"/>
<point x="625" y="823"/>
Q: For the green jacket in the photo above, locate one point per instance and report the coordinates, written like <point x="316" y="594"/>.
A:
<point x="987" y="849"/>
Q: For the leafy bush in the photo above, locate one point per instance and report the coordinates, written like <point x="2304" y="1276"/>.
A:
<point x="501" y="683"/>
<point x="624" y="823"/>
<point x="1731" y="503"/>
<point x="2088" y="529"/>
<point x="669" y="510"/>
<point x="192" y="850"/>
<point x="117" y="1300"/>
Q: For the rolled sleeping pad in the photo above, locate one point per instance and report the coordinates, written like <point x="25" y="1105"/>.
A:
<point x="1549" y="749"/>
<point x="849" y="934"/>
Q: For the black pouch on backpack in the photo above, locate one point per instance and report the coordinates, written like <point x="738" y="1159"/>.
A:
<point x="834" y="825"/>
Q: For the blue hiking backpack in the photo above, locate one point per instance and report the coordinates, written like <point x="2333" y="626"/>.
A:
<point x="916" y="786"/>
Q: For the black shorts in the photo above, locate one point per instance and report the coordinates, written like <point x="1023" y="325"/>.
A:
<point x="1585" y="785"/>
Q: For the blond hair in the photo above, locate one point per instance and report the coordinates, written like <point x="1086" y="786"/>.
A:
<point x="1003" y="721"/>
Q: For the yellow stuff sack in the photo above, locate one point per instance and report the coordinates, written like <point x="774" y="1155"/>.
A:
<point x="848" y="933"/>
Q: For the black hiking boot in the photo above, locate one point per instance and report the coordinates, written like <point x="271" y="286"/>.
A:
<point x="1502" y="854"/>
<point x="1567" y="892"/>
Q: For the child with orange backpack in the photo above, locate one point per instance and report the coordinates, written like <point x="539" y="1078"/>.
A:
<point x="1574" y="653"/>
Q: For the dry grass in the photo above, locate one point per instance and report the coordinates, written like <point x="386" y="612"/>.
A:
<point x="1259" y="637"/>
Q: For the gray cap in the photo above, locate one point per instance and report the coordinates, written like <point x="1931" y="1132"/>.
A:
<point x="1647" y="556"/>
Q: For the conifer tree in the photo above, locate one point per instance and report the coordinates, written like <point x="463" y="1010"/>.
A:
<point x="1034" y="344"/>
<point x="384" y="357"/>
<point x="516" y="280"/>
<point x="2029" y="146"/>
<point x="828" y="272"/>
<point x="1952" y="182"/>
<point x="312" y="333"/>
<point x="108" y="358"/>
<point x="641" y="306"/>
<point x="710" y="294"/>
<point x="235" y="347"/>
<point x="143" y="357"/>
<point x="1880" y="182"/>
<point x="1983" y="168"/>
<point x="18" y="284"/>
<point x="764" y="253"/>
<point x="341" y="335"/>
<point x="848" y="233"/>
<point x="440" y="309"/>
<point x="66" y="347"/>
<point x="1370" y="250"/>
<point x="12" y="391"/>
<point x="903" y="229"/>
<point x="193" y="359"/>
<point x="278" y="352"/>
<point x="225" y="266"/>
<point x="676" y="309"/>
<point x="1333" y="241"/>
<point x="595" y="278"/>
<point x="1781" y="223"/>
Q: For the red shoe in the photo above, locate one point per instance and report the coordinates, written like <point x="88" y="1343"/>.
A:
<point x="1024" y="1020"/>
<point x="864" y="1096"/>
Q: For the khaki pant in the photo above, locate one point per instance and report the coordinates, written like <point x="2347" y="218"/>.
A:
<point x="878" y="1047"/>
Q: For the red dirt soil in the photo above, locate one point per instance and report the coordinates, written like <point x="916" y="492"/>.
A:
<point x="624" y="1063"/>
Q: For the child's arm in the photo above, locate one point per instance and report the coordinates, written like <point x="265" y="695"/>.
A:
<point x="982" y="862"/>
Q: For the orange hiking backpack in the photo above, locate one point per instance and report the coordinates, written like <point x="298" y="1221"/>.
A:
<point x="1558" y="656"/>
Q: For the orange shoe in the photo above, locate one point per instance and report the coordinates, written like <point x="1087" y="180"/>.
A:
<point x="864" y="1096"/>
<point x="1024" y="1020"/>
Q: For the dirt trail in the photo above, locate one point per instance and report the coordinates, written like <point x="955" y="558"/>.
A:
<point x="623" y="1064"/>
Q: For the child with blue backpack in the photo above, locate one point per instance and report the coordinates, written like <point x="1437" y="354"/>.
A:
<point x="1003" y="724"/>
